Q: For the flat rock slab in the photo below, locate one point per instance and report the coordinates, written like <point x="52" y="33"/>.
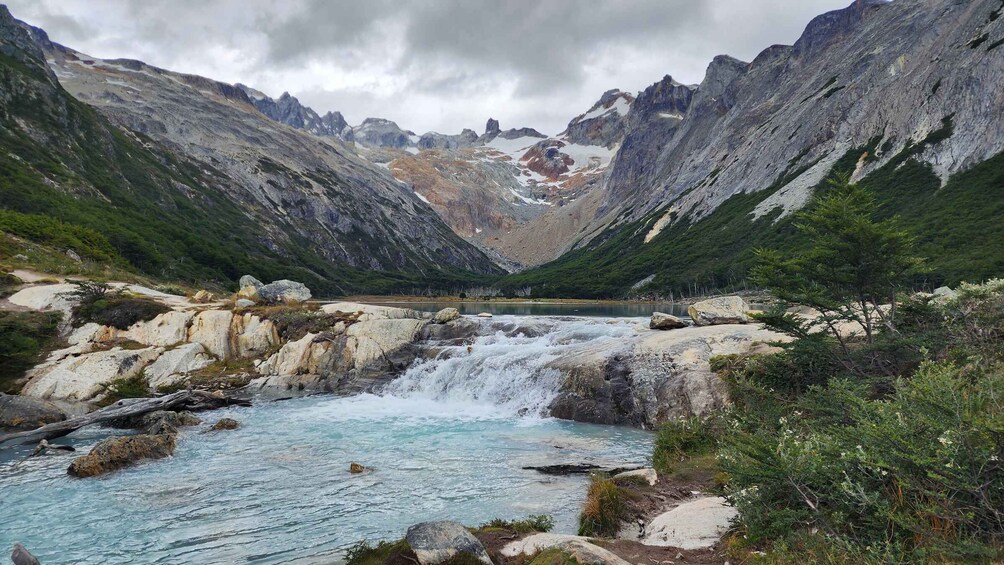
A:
<point x="696" y="524"/>
<point x="579" y="547"/>
<point x="436" y="542"/>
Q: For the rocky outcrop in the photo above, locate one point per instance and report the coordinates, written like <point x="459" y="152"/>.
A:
<point x="652" y="377"/>
<point x="118" y="452"/>
<point x="379" y="132"/>
<point x="174" y="365"/>
<point x="721" y="310"/>
<point x="545" y="158"/>
<point x="24" y="413"/>
<point x="438" y="542"/>
<point x="85" y="377"/>
<point x="211" y="329"/>
<point x="434" y="140"/>
<point x="288" y="110"/>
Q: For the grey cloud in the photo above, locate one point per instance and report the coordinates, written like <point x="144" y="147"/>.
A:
<point x="431" y="64"/>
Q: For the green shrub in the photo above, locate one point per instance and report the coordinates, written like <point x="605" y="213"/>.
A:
<point x="99" y="305"/>
<point x="88" y="243"/>
<point x="8" y="283"/>
<point x="554" y="556"/>
<point x="680" y="440"/>
<point x="919" y="473"/>
<point x="294" y="322"/>
<point x="24" y="337"/>
<point x="362" y="553"/>
<point x="530" y="524"/>
<point x="134" y="387"/>
<point x="604" y="509"/>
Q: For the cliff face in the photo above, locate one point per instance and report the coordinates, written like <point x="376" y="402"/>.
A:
<point x="888" y="70"/>
<point x="196" y="155"/>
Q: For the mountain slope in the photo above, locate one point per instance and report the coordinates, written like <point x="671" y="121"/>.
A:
<point x="200" y="185"/>
<point x="905" y="96"/>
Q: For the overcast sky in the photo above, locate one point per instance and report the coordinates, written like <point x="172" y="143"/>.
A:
<point x="430" y="64"/>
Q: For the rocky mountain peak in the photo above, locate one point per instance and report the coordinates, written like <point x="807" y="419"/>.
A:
<point x="17" y="41"/>
<point x="831" y="27"/>
<point x="603" y="124"/>
<point x="492" y="127"/>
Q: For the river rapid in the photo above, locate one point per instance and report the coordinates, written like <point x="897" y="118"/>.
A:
<point x="449" y="439"/>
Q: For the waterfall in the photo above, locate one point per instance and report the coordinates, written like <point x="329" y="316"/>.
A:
<point x="505" y="369"/>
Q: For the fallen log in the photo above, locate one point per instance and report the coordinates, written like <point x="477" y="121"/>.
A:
<point x="578" y="469"/>
<point x="123" y="409"/>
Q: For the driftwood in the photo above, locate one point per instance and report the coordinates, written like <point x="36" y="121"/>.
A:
<point x="578" y="469"/>
<point x="42" y="447"/>
<point x="182" y="400"/>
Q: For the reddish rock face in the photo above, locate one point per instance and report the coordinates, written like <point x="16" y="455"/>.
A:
<point x="546" y="159"/>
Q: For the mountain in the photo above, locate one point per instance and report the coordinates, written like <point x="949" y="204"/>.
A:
<point x="288" y="110"/>
<point x="905" y="97"/>
<point x="508" y="188"/>
<point x="187" y="179"/>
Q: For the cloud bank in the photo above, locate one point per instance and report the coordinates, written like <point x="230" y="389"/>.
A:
<point x="430" y="64"/>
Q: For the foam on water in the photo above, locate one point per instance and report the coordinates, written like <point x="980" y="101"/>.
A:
<point x="446" y="442"/>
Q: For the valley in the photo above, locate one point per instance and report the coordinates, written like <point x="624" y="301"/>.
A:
<point x="752" y="319"/>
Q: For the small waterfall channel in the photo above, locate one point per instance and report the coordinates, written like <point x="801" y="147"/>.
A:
<point x="505" y="369"/>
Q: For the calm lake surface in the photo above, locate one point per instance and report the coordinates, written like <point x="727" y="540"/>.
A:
<point x="592" y="309"/>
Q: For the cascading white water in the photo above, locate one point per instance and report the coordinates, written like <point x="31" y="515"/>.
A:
<point x="505" y="369"/>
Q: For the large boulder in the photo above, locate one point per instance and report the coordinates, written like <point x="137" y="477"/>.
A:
<point x="172" y="367"/>
<point x="25" y="413"/>
<point x="437" y="542"/>
<point x="284" y="292"/>
<point x="696" y="524"/>
<point x="249" y="287"/>
<point x="118" y="452"/>
<point x="446" y="315"/>
<point x="84" y="377"/>
<point x="721" y="310"/>
<point x="661" y="321"/>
